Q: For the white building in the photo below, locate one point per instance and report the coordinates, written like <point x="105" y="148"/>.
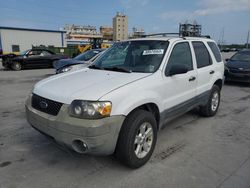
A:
<point x="20" y="39"/>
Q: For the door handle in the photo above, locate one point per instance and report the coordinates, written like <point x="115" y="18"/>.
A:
<point x="211" y="72"/>
<point x="192" y="78"/>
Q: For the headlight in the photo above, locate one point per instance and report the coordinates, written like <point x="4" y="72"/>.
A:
<point x="90" y="109"/>
<point x="226" y="68"/>
<point x="66" y="69"/>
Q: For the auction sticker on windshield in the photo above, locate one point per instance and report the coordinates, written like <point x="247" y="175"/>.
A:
<point x="153" y="52"/>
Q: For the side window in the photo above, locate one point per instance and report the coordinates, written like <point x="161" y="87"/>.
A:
<point x="215" y="51"/>
<point x="203" y="58"/>
<point x="45" y="53"/>
<point x="180" y="54"/>
<point x="34" y="53"/>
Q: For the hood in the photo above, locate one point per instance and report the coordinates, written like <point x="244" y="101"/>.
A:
<point x="85" y="84"/>
<point x="238" y="64"/>
<point x="67" y="62"/>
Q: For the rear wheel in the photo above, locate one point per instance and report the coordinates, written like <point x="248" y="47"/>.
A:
<point x="211" y="108"/>
<point x="137" y="139"/>
<point x="16" y="66"/>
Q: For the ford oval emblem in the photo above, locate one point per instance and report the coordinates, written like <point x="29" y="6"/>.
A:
<point x="43" y="104"/>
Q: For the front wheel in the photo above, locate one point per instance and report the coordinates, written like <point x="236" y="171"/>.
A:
<point x="54" y="63"/>
<point x="16" y="66"/>
<point x="137" y="139"/>
<point x="211" y="108"/>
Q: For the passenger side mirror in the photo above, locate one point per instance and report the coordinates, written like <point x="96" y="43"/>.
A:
<point x="177" y="69"/>
<point x="227" y="59"/>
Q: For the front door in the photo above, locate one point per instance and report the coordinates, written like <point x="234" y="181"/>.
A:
<point x="179" y="89"/>
<point x="33" y="58"/>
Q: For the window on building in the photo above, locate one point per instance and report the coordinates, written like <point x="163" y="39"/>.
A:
<point x="203" y="58"/>
<point x="15" y="48"/>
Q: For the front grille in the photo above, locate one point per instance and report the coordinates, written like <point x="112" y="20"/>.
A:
<point x="244" y="71"/>
<point x="45" y="105"/>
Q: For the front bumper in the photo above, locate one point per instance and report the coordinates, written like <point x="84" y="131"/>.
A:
<point x="237" y="77"/>
<point x="100" y="136"/>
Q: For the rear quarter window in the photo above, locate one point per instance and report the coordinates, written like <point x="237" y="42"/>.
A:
<point x="215" y="51"/>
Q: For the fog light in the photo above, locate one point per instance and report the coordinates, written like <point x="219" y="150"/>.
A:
<point x="79" y="146"/>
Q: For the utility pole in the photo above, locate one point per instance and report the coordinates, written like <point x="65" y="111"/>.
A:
<point x="222" y="38"/>
<point x="247" y="39"/>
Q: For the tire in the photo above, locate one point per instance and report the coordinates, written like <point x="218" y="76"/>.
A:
<point x="16" y="66"/>
<point x="211" y="108"/>
<point x="133" y="149"/>
<point x="54" y="64"/>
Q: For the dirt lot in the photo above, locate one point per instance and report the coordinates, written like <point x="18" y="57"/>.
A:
<point x="191" y="151"/>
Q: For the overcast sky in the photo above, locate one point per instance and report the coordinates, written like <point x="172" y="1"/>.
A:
<point x="232" y="16"/>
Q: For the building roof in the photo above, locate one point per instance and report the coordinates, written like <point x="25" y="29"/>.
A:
<point x="30" y="29"/>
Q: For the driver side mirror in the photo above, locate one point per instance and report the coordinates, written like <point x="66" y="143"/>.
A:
<point x="177" y="69"/>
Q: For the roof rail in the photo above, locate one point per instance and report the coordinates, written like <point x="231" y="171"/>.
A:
<point x="162" y="35"/>
<point x="173" y="35"/>
<point x="206" y="36"/>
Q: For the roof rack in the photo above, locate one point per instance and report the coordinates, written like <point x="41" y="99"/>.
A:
<point x="173" y="35"/>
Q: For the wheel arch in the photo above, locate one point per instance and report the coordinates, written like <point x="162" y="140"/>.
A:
<point x="219" y="83"/>
<point x="150" y="107"/>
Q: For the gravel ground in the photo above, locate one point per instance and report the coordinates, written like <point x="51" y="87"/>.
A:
<point x="191" y="151"/>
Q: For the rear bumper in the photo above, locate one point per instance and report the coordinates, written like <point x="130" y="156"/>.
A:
<point x="100" y="136"/>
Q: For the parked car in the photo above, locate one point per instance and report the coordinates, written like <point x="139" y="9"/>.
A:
<point x="33" y="58"/>
<point x="85" y="58"/>
<point x="118" y="104"/>
<point x="237" y="68"/>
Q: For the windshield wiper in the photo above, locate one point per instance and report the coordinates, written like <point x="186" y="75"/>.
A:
<point x="94" y="67"/>
<point x="119" y="69"/>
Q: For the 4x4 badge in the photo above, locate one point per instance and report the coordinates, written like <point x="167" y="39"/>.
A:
<point x="43" y="104"/>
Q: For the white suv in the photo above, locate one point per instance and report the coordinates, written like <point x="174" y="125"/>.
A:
<point x="118" y="104"/>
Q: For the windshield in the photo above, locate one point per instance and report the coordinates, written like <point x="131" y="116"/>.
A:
<point x="241" y="57"/>
<point x="24" y="52"/>
<point x="86" y="56"/>
<point x="133" y="56"/>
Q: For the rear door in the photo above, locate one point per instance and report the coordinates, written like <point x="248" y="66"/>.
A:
<point x="205" y="67"/>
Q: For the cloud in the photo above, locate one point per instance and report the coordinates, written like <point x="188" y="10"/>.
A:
<point x="208" y="7"/>
<point x="176" y="15"/>
<point x="222" y="6"/>
<point x="127" y="4"/>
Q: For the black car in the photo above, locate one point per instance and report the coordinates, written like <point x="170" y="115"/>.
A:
<point x="84" y="58"/>
<point x="33" y="58"/>
<point x="237" y="68"/>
